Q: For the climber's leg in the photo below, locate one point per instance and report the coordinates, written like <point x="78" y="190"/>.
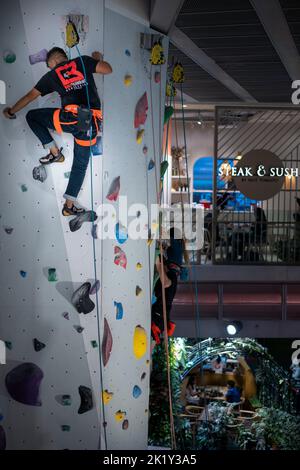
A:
<point x="40" y="121"/>
<point x="78" y="171"/>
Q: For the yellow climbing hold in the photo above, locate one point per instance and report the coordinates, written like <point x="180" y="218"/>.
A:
<point x="154" y="226"/>
<point x="178" y="73"/>
<point x="138" y="291"/>
<point x="72" y="36"/>
<point x="149" y="241"/>
<point x="157" y="54"/>
<point x="106" y="396"/>
<point x="128" y="80"/>
<point x="139" y="342"/>
<point x="139" y="266"/>
<point x="140" y="135"/>
<point x="120" y="415"/>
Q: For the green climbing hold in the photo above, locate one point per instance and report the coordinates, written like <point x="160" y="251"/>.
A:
<point x="8" y="344"/>
<point x="9" y="57"/>
<point x="24" y="188"/>
<point x="163" y="168"/>
<point x="94" y="344"/>
<point x="65" y="427"/>
<point x="66" y="400"/>
<point x="52" y="275"/>
<point x="169" y="111"/>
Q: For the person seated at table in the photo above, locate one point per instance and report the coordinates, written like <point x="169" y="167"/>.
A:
<point x="191" y="393"/>
<point x="217" y="365"/>
<point x="233" y="394"/>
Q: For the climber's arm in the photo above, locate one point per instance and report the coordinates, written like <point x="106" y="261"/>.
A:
<point x="102" y="67"/>
<point x="22" y="103"/>
<point x="162" y="273"/>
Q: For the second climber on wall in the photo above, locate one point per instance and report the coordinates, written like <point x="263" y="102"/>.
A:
<point x="80" y="114"/>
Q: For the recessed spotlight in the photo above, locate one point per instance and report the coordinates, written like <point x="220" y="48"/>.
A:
<point x="233" y="328"/>
<point x="199" y="122"/>
<point x="185" y="105"/>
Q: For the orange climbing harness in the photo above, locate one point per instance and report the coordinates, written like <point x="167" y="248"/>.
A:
<point x="73" y="108"/>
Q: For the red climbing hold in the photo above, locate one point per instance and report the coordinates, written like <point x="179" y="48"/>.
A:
<point x="120" y="257"/>
<point x="141" y="109"/>
<point x="107" y="343"/>
<point x="114" y="189"/>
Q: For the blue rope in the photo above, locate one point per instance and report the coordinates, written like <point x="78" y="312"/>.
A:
<point x="94" y="243"/>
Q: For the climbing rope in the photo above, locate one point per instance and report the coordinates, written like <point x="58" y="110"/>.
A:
<point x="94" y="243"/>
<point x="159" y="195"/>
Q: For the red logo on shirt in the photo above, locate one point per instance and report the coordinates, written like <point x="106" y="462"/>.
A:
<point x="68" y="74"/>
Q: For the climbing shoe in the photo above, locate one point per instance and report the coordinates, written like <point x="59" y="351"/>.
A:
<point x="171" y="328"/>
<point x="50" y="158"/>
<point x="76" y="223"/>
<point x="155" y="332"/>
<point x="66" y="211"/>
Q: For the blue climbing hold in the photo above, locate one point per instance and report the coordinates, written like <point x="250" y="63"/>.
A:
<point x="151" y="165"/>
<point x="94" y="232"/>
<point x="119" y="310"/>
<point x="136" y="392"/>
<point x="154" y="299"/>
<point x="127" y="52"/>
<point x="121" y="233"/>
<point x="23" y="273"/>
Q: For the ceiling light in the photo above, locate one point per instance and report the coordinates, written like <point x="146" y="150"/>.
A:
<point x="185" y="106"/>
<point x="239" y="156"/>
<point x="233" y="328"/>
<point x="199" y="122"/>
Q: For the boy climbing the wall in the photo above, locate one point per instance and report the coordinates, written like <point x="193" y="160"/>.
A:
<point x="71" y="79"/>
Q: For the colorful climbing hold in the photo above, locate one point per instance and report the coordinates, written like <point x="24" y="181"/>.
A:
<point x="52" y="277"/>
<point x="78" y="328"/>
<point x="120" y="257"/>
<point x="141" y="109"/>
<point x="150" y="241"/>
<point x="94" y="343"/>
<point x="107" y="343"/>
<point x="163" y="168"/>
<point x="106" y="396"/>
<point x="145" y="150"/>
<point x="157" y="77"/>
<point x="86" y="398"/>
<point x="8" y="345"/>
<point x="65" y="427"/>
<point x="139" y="342"/>
<point x="24" y="188"/>
<point x="157" y="54"/>
<point x="95" y="287"/>
<point x="127" y="52"/>
<point x="81" y="300"/>
<point x="178" y="73"/>
<point x="169" y="110"/>
<point x="86" y="216"/>
<point x="138" y="291"/>
<point x="128" y="80"/>
<point x="39" y="173"/>
<point x="97" y="149"/>
<point x="66" y="400"/>
<point x="136" y="392"/>
<point x="9" y="230"/>
<point x="143" y="376"/>
<point x="139" y="266"/>
<point x="119" y="310"/>
<point x="23" y="273"/>
<point x="125" y="424"/>
<point x="151" y="165"/>
<point x="139" y="136"/>
<point x="66" y="315"/>
<point x="114" y="189"/>
<point x="120" y="415"/>
<point x="121" y="233"/>
<point x="23" y="383"/>
<point x="9" y="57"/>
<point x="40" y="56"/>
<point x="38" y="346"/>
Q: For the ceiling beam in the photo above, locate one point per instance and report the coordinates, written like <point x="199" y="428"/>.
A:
<point x="190" y="49"/>
<point x="275" y="24"/>
<point x="164" y="13"/>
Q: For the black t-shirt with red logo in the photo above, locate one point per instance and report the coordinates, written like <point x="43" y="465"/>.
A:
<point x="68" y="80"/>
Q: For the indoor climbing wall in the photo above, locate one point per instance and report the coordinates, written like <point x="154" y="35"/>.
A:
<point x="133" y="107"/>
<point x="50" y="388"/>
<point x="52" y="350"/>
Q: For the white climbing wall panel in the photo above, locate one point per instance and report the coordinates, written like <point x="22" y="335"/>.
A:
<point x="124" y="157"/>
<point x="33" y="307"/>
